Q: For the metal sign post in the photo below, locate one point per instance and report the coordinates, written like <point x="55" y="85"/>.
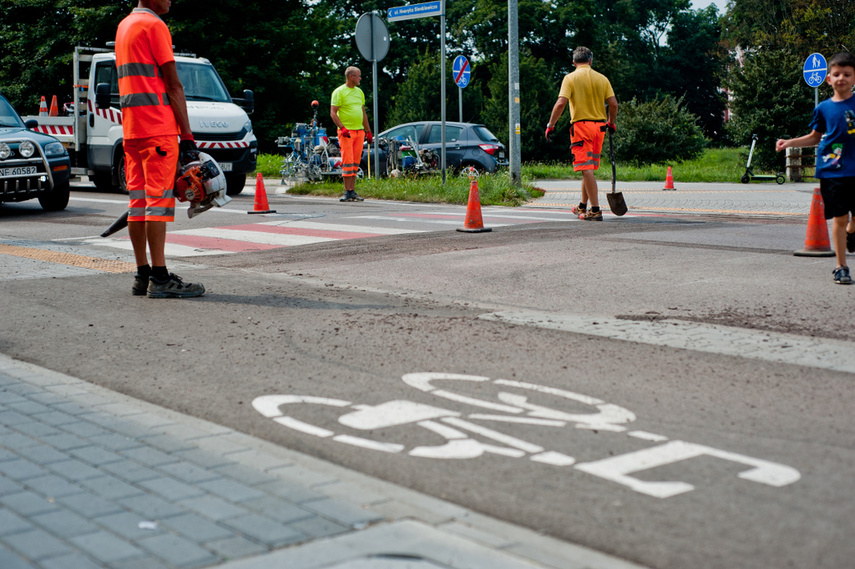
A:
<point x="372" y="41"/>
<point x="461" y="73"/>
<point x="434" y="8"/>
<point x="515" y="165"/>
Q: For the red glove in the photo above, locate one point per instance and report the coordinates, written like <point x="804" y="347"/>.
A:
<point x="549" y="131"/>
<point x="611" y="126"/>
<point x="343" y="132"/>
<point x="369" y="137"/>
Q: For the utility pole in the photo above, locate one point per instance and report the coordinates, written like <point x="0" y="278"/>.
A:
<point x="514" y="92"/>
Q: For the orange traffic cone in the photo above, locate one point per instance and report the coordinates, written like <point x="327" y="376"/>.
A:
<point x="43" y="110"/>
<point x="54" y="109"/>
<point x="261" y="197"/>
<point x="474" y="223"/>
<point x="816" y="239"/>
<point x="669" y="181"/>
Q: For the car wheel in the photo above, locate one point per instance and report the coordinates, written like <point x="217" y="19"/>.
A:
<point x="235" y="182"/>
<point x="463" y="169"/>
<point x="57" y="198"/>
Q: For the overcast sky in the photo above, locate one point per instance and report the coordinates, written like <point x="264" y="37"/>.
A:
<point x="704" y="3"/>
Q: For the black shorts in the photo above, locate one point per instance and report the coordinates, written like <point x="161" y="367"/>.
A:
<point x="838" y="196"/>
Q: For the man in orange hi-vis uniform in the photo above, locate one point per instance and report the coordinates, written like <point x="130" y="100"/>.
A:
<point x="588" y="93"/>
<point x="154" y="114"/>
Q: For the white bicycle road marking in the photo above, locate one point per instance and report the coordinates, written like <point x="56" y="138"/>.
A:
<point x="458" y="428"/>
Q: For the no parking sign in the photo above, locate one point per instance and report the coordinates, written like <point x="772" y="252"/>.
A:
<point x="460" y="70"/>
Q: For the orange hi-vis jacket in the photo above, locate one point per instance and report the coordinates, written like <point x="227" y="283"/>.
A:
<point x="143" y="45"/>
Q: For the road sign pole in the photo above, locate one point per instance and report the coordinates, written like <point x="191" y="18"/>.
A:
<point x="514" y="92"/>
<point x="442" y="88"/>
<point x="460" y="98"/>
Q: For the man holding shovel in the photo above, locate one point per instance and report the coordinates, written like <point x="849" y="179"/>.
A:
<point x="588" y="93"/>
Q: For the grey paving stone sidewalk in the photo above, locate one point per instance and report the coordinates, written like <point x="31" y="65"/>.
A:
<point x="91" y="479"/>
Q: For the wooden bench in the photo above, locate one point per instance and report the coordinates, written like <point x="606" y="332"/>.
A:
<point x="799" y="160"/>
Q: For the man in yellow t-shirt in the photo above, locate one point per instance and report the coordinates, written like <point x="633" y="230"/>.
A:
<point x="347" y="110"/>
<point x="588" y="92"/>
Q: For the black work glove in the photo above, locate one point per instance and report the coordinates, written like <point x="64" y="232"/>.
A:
<point x="188" y="151"/>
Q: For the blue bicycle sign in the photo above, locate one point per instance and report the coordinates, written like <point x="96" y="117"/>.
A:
<point x="815" y="69"/>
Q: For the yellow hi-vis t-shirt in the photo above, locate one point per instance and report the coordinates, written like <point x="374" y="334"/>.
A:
<point x="349" y="101"/>
<point x="587" y="91"/>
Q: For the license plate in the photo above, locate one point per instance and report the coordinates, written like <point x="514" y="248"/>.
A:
<point x="502" y="155"/>
<point x="18" y="171"/>
<point x="226" y="166"/>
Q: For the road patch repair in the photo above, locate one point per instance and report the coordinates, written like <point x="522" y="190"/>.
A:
<point x="823" y="353"/>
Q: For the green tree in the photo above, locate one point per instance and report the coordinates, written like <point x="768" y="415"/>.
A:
<point x="771" y="104"/>
<point x="769" y="95"/>
<point x="660" y="132"/>
<point x="38" y="37"/>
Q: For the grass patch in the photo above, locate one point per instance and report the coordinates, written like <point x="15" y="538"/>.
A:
<point x="714" y="165"/>
<point x="494" y="189"/>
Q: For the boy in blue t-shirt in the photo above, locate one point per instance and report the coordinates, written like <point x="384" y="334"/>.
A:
<point x="833" y="127"/>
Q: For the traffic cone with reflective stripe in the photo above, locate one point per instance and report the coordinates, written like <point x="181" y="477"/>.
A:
<point x="816" y="239"/>
<point x="261" y="197"/>
<point x="54" y="108"/>
<point x="43" y="110"/>
<point x="474" y="223"/>
<point x="669" y="181"/>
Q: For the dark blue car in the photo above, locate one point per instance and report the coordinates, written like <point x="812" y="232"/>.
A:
<point x="466" y="144"/>
<point x="32" y="165"/>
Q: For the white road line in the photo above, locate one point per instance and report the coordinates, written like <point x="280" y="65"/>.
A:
<point x="260" y="237"/>
<point x="834" y="355"/>
<point x="345" y="228"/>
<point x="171" y="250"/>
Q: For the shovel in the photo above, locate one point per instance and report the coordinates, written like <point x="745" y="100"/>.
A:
<point x="616" y="202"/>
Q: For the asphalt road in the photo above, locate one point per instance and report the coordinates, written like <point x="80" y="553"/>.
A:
<point x="475" y="367"/>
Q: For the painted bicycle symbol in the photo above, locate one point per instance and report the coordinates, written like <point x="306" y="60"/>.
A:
<point x="465" y="435"/>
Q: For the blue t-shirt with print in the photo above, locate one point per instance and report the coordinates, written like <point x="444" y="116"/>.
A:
<point x="836" y="151"/>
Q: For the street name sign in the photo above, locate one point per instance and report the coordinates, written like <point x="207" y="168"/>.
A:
<point x="414" y="11"/>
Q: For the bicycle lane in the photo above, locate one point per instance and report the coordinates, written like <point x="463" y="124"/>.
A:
<point x="355" y="345"/>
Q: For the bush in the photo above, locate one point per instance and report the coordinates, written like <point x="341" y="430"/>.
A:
<point x="657" y="132"/>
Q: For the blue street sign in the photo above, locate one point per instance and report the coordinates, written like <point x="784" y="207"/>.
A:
<point x="815" y="70"/>
<point x="415" y="11"/>
<point x="460" y="71"/>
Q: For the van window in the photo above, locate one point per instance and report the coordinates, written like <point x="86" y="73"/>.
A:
<point x="201" y="82"/>
<point x="105" y="72"/>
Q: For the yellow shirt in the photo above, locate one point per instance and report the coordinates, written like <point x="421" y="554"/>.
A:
<point x="587" y="91"/>
<point x="349" y="101"/>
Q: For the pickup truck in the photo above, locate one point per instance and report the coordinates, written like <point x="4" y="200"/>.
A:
<point x="92" y="129"/>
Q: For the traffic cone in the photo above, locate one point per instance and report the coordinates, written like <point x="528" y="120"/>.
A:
<point x="43" y="110"/>
<point x="669" y="181"/>
<point x="816" y="239"/>
<point x="261" y="197"/>
<point x="54" y="109"/>
<point x="474" y="223"/>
